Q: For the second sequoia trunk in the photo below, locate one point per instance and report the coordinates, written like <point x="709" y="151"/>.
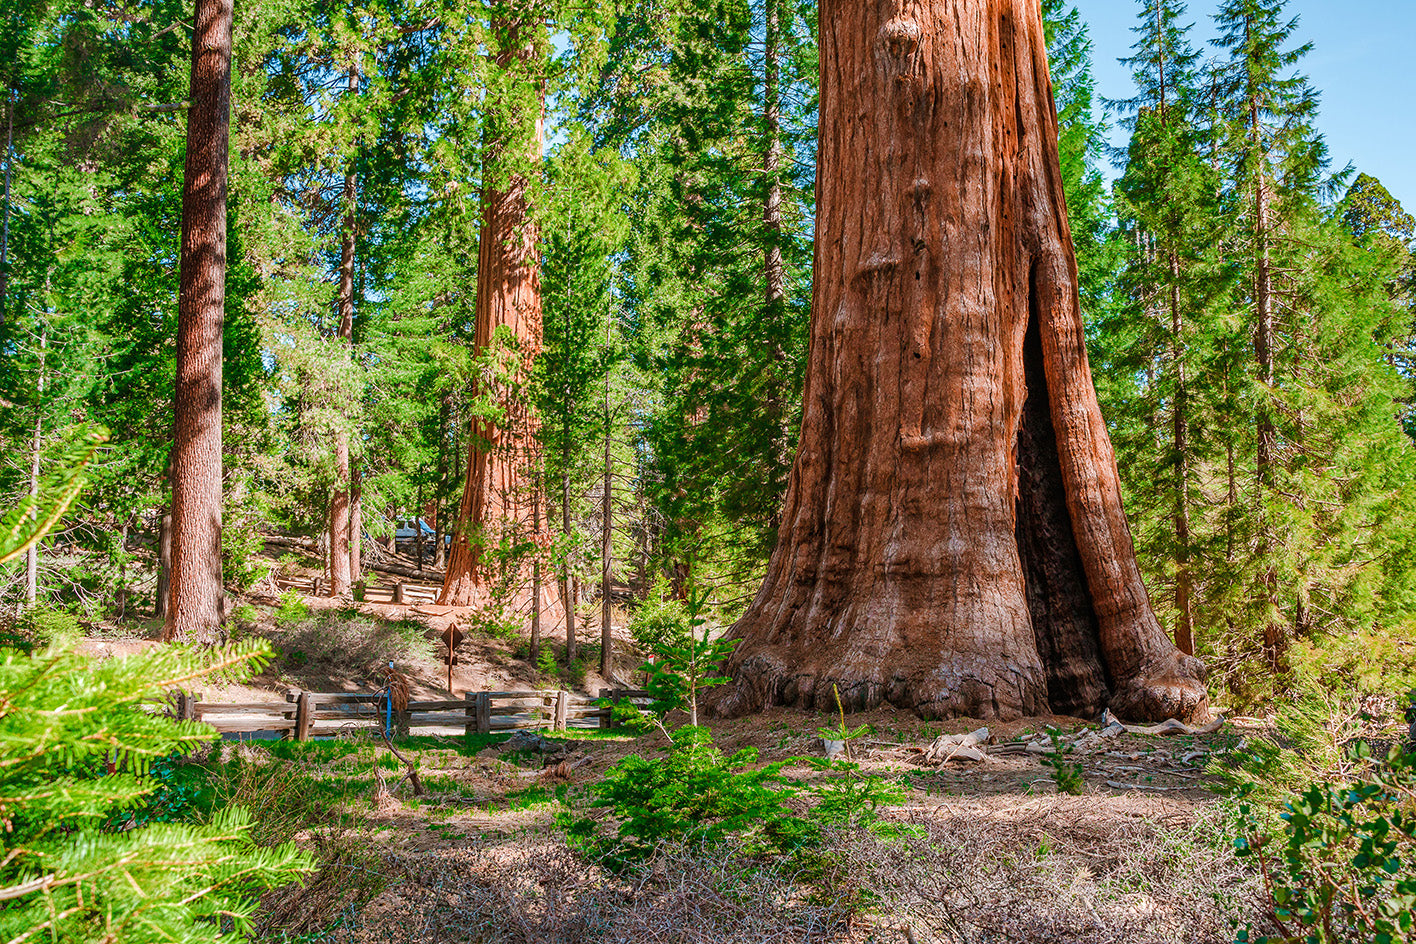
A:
<point x="953" y="539"/>
<point x="497" y="497"/>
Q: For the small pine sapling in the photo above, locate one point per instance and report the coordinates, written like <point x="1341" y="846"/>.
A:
<point x="1067" y="775"/>
<point x="686" y="665"/>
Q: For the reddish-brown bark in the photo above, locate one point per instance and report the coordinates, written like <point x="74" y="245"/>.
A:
<point x="497" y="495"/>
<point x="953" y="539"/>
<point x="194" y="609"/>
<point x="340" y="516"/>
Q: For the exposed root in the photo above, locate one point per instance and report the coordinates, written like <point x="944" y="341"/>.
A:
<point x="1174" y="689"/>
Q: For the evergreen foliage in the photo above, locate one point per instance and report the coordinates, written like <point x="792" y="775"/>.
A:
<point x="1249" y="313"/>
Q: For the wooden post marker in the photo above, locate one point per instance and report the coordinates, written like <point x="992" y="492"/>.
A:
<point x="304" y="715"/>
<point x="484" y="713"/>
<point x="562" y="710"/>
<point x="398" y="593"/>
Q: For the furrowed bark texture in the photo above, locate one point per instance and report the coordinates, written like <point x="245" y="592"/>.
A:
<point x="497" y="490"/>
<point x="953" y="539"/>
<point x="340" y="513"/>
<point x="195" y="608"/>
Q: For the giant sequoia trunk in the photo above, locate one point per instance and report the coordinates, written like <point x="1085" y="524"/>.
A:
<point x="497" y="491"/>
<point x="953" y="539"/>
<point x="194" y="611"/>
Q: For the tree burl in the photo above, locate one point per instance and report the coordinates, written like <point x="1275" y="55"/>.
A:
<point x="953" y="539"/>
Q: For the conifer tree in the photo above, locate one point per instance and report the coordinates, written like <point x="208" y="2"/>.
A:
<point x="1172" y="282"/>
<point x="716" y="273"/>
<point x="196" y="608"/>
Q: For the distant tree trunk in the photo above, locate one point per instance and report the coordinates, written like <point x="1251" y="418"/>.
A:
<point x="440" y="524"/>
<point x="1184" y="611"/>
<point x="495" y="493"/>
<point x="37" y="449"/>
<point x="339" y="513"/>
<point x="570" y="588"/>
<point x="418" y="529"/>
<point x="953" y="539"/>
<point x="774" y="268"/>
<point x="356" y="523"/>
<point x="195" y="610"/>
<point x="5" y="227"/>
<point x="164" y="566"/>
<point x="536" y="573"/>
<point x="1275" y="636"/>
<point x="607" y="545"/>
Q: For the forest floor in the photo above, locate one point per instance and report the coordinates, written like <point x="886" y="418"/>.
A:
<point x="997" y="853"/>
<point x="1140" y="855"/>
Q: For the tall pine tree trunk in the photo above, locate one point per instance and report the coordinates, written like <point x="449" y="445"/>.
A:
<point x="356" y="523"/>
<point x="953" y="539"/>
<point x="1275" y="637"/>
<point x="607" y="544"/>
<point x="568" y="596"/>
<point x="339" y="513"/>
<point x="774" y="268"/>
<point x="5" y="224"/>
<point x="195" y="608"/>
<point x="496" y="491"/>
<point x="37" y="450"/>
<point x="1180" y="441"/>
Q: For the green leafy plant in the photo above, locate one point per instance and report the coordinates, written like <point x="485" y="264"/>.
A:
<point x="291" y="609"/>
<point x="843" y="732"/>
<point x="660" y="618"/>
<point x="546" y="662"/>
<point x="686" y="666"/>
<point x="1342" y="867"/>
<point x="1067" y="775"/>
<point x="693" y="794"/>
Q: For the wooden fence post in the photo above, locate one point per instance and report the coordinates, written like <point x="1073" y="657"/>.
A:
<point x="607" y="715"/>
<point x="484" y="712"/>
<point x="398" y="592"/>
<point x="470" y="725"/>
<point x="562" y="710"/>
<point x="292" y="714"/>
<point x="304" y="715"/>
<point x="189" y="705"/>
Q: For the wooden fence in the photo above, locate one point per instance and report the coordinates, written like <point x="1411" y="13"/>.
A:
<point x="304" y="715"/>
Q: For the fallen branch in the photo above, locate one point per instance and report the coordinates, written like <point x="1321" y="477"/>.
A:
<point x="1142" y="786"/>
<point x="1170" y="726"/>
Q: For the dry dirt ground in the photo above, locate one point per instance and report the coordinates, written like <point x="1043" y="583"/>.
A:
<point x="996" y="852"/>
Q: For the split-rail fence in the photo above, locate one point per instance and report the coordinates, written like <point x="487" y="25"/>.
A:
<point x="305" y="715"/>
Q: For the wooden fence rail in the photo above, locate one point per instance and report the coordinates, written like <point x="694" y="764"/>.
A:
<point x="303" y="715"/>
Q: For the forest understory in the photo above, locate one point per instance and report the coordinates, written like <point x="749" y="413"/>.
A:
<point x="1138" y="849"/>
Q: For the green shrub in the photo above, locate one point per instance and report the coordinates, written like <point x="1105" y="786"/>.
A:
<point x="46" y="626"/>
<point x="686" y="665"/>
<point x="659" y="619"/>
<point x="1067" y="775"/>
<point x="242" y="563"/>
<point x="291" y="609"/>
<point x="546" y="661"/>
<point x="693" y="794"/>
<point x="78" y="740"/>
<point x="1342" y="867"/>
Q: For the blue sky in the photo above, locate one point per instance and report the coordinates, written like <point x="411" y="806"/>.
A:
<point x="1363" y="62"/>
